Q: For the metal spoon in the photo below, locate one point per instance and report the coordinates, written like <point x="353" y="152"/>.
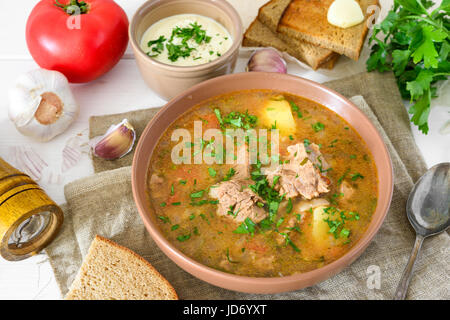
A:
<point x="428" y="212"/>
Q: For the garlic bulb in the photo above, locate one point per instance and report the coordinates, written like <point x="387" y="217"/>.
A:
<point x="41" y="104"/>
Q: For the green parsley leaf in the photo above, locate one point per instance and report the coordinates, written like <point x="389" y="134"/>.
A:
<point x="164" y="219"/>
<point x="296" y="109"/>
<point x="265" y="224"/>
<point x="227" y="253"/>
<point x="231" y="172"/>
<point x="289" y="206"/>
<point x="196" y="231"/>
<point x="420" y="84"/>
<point x="343" y="176"/>
<point x="197" y="194"/>
<point x="218" y="115"/>
<point x="426" y="51"/>
<point x="400" y="59"/>
<point x="247" y="227"/>
<point x="275" y="179"/>
<point x="183" y="238"/>
<point x="306" y="142"/>
<point x="356" y="176"/>
<point x="420" y="111"/>
<point x="279" y="222"/>
<point x="413" y="6"/>
<point x="318" y="126"/>
<point x="212" y="172"/>
<point x="289" y="242"/>
<point x="203" y="216"/>
<point x="156" y="46"/>
<point x="345" y="233"/>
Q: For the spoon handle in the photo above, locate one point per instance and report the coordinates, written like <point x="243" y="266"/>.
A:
<point x="402" y="287"/>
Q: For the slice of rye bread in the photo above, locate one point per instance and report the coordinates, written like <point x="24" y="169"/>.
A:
<point x="258" y="35"/>
<point x="270" y="15"/>
<point x="307" y="20"/>
<point x="112" y="272"/>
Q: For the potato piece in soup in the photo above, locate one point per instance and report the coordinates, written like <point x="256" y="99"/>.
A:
<point x="277" y="114"/>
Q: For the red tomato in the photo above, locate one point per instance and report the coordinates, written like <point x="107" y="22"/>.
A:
<point x="82" y="47"/>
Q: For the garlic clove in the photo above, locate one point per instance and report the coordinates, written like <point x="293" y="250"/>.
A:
<point x="267" y="60"/>
<point x="116" y="143"/>
<point x="42" y="104"/>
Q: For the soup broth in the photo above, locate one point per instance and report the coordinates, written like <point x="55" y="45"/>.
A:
<point x="307" y="212"/>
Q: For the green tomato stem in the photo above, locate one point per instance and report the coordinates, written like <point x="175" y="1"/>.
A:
<point x="74" y="7"/>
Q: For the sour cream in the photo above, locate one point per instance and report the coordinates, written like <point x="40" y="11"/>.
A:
<point x="168" y="40"/>
<point x="345" y="13"/>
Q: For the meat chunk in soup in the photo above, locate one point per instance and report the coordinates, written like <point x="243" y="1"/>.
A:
<point x="299" y="176"/>
<point x="317" y="158"/>
<point x="237" y="201"/>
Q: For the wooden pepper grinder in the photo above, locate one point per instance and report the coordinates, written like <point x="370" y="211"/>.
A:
<point x="29" y="219"/>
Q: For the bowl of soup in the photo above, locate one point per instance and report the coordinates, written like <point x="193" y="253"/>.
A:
<point x="179" y="43"/>
<point x="261" y="182"/>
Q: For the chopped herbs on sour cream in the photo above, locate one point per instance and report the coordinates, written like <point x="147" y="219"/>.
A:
<point x="186" y="40"/>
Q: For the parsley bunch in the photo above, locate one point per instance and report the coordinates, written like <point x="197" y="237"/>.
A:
<point x="416" y="48"/>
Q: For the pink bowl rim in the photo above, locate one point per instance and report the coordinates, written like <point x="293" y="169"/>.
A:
<point x="262" y="284"/>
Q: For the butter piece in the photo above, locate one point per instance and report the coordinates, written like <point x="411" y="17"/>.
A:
<point x="345" y="13"/>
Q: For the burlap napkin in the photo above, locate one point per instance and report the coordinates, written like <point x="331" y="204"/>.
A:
<point x="103" y="204"/>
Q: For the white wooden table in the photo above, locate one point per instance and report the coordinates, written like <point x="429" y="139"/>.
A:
<point x="123" y="90"/>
